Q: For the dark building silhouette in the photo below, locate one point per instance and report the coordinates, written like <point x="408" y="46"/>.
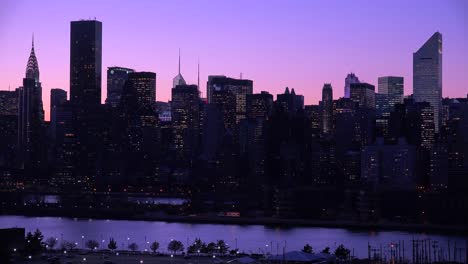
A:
<point x="8" y="127"/>
<point x="363" y="94"/>
<point x="57" y="98"/>
<point x="85" y="62"/>
<point x="31" y="130"/>
<point x="290" y="102"/>
<point x="327" y="108"/>
<point x="85" y="97"/>
<point x="350" y="79"/>
<point x="116" y="78"/>
<point x="185" y="113"/>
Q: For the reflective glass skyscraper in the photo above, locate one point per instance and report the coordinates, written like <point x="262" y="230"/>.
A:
<point x="427" y="75"/>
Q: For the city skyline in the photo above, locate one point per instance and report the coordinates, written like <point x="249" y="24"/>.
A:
<point x="304" y="68"/>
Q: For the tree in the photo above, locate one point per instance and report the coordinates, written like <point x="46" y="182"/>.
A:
<point x="66" y="245"/>
<point x="222" y="247"/>
<point x="133" y="247"/>
<point x="154" y="246"/>
<point x="112" y="244"/>
<point x="175" y="246"/>
<point x="341" y="252"/>
<point x="51" y="242"/>
<point x="210" y="248"/>
<point x="233" y="251"/>
<point x="197" y="245"/>
<point x="308" y="249"/>
<point x="34" y="242"/>
<point x="326" y="250"/>
<point x="92" y="244"/>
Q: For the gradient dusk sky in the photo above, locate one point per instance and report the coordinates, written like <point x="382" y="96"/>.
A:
<point x="300" y="44"/>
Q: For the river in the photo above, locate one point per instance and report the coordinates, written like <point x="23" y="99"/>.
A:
<point x="249" y="238"/>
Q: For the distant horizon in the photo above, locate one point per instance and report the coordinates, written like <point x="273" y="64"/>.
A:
<point x="277" y="46"/>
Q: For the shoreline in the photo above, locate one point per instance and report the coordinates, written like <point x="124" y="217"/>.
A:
<point x="265" y="221"/>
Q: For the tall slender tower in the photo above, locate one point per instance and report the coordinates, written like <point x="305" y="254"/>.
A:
<point x="31" y="117"/>
<point x="178" y="80"/>
<point x="427" y="75"/>
<point x="327" y="108"/>
<point x="85" y="63"/>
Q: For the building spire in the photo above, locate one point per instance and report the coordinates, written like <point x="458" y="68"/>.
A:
<point x="198" y="74"/>
<point x="179" y="60"/>
<point x="32" y="68"/>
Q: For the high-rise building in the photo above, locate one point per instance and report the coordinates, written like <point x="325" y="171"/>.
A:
<point x="350" y="78"/>
<point x="259" y="105"/>
<point x="327" y="108"/>
<point x="230" y="96"/>
<point x="31" y="118"/>
<point x="390" y="93"/>
<point x="141" y="87"/>
<point x="363" y="94"/>
<point x="116" y="78"/>
<point x="8" y="127"/>
<point x="57" y="98"/>
<point x="427" y="75"/>
<point x="178" y="79"/>
<point x="290" y="101"/>
<point x="85" y="62"/>
<point x="392" y="87"/>
<point x="85" y="97"/>
<point x="185" y="112"/>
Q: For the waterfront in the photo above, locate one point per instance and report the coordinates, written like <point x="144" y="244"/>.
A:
<point x="249" y="238"/>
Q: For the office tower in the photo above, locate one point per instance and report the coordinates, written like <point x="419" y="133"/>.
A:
<point x="363" y="94"/>
<point x="116" y="78"/>
<point x="313" y="114"/>
<point x="259" y="105"/>
<point x="290" y="102"/>
<point x="238" y="87"/>
<point x="57" y="98"/>
<point x="85" y="98"/>
<point x="178" y="79"/>
<point x="85" y="62"/>
<point x="230" y="97"/>
<point x="350" y="79"/>
<point x="327" y="108"/>
<point x="8" y="103"/>
<point x="8" y="127"/>
<point x="392" y="87"/>
<point x="31" y="150"/>
<point x="427" y="75"/>
<point x="185" y="112"/>
<point x="253" y="130"/>
<point x="141" y="87"/>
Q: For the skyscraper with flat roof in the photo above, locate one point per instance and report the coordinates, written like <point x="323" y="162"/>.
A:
<point x="85" y="62"/>
<point x="116" y="78"/>
<point x="427" y="75"/>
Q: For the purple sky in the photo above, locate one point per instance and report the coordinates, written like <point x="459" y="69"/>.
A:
<point x="300" y="44"/>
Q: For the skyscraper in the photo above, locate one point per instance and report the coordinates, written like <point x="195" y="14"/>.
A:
<point x="31" y="117"/>
<point x="141" y="86"/>
<point x="327" y="108"/>
<point x="178" y="79"/>
<point x="85" y="97"/>
<point x="85" y="62"/>
<point x="57" y="98"/>
<point x="363" y="94"/>
<point x="427" y="75"/>
<point x="350" y="78"/>
<point x="392" y="87"/>
<point x="116" y="77"/>
<point x="185" y="112"/>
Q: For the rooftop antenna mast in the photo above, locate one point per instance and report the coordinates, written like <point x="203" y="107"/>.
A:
<point x="179" y="60"/>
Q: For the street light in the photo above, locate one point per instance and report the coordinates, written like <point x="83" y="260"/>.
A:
<point x="84" y="259"/>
